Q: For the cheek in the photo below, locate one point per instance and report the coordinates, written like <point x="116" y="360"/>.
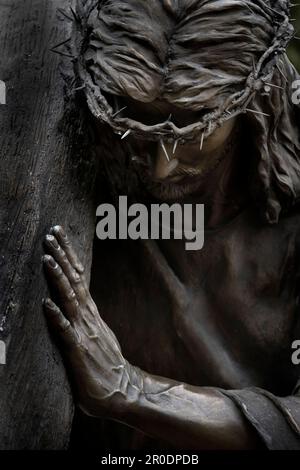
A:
<point x="219" y="137"/>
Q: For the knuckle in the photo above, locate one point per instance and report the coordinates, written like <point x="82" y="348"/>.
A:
<point x="81" y="345"/>
<point x="65" y="325"/>
<point x="70" y="296"/>
<point x="80" y="270"/>
<point x="57" y="271"/>
<point x="55" y="310"/>
<point x="76" y="278"/>
<point x="63" y="256"/>
<point x="60" y="251"/>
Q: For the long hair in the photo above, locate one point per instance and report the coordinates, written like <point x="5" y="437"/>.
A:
<point x="275" y="125"/>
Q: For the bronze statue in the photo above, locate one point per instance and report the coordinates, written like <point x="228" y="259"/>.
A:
<point x="191" y="102"/>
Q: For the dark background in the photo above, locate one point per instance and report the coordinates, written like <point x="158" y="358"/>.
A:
<point x="294" y="50"/>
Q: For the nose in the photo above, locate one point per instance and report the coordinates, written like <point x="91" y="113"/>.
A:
<point x="165" y="162"/>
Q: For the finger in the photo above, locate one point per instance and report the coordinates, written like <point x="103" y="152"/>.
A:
<point x="65" y="243"/>
<point x="76" y="281"/>
<point x="61" y="284"/>
<point x="61" y="325"/>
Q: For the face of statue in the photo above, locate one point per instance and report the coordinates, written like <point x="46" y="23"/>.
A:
<point x="178" y="60"/>
<point x="174" y="171"/>
<point x="175" y="71"/>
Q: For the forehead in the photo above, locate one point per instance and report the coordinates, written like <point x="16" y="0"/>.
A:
<point x="158" y="111"/>
<point x="189" y="53"/>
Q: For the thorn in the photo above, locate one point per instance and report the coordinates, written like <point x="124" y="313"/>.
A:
<point x="75" y="15"/>
<point x="202" y="140"/>
<point x="275" y="86"/>
<point x="61" y="43"/>
<point x="281" y="72"/>
<point x="118" y="112"/>
<point x="73" y="81"/>
<point x="175" y="146"/>
<point x="64" y="14"/>
<point x="167" y="120"/>
<point x="165" y="150"/>
<point x="126" y="134"/>
<point x="257" y="112"/>
<point x="62" y="53"/>
<point x="79" y="88"/>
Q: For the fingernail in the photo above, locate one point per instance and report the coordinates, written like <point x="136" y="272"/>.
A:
<point x="48" y="303"/>
<point x="52" y="240"/>
<point x="59" y="230"/>
<point x="50" y="261"/>
<point x="55" y="229"/>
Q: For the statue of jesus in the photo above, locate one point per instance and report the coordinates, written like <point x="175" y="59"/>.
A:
<point x="191" y="103"/>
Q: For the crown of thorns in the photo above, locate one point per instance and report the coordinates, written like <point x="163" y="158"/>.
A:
<point x="258" y="79"/>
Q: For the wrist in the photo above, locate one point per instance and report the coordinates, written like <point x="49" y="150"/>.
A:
<point x="125" y="404"/>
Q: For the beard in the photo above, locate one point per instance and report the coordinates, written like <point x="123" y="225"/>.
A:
<point x="191" y="182"/>
<point x="192" y="178"/>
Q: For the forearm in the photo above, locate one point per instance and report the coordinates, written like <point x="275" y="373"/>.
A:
<point x="107" y="386"/>
<point x="186" y="416"/>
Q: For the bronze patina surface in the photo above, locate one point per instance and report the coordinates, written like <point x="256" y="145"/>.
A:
<point x="188" y="349"/>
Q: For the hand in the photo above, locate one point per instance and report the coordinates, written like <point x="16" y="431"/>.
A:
<point x="103" y="379"/>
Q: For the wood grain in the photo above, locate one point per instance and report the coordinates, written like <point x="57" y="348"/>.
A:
<point x="46" y="178"/>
